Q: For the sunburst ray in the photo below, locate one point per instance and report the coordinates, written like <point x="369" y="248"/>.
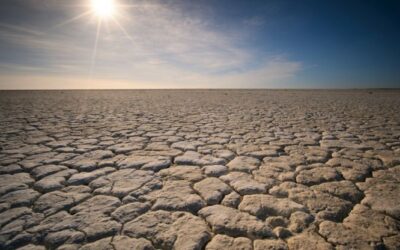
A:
<point x="94" y="54"/>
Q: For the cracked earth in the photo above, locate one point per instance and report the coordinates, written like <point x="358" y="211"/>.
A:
<point x="181" y="169"/>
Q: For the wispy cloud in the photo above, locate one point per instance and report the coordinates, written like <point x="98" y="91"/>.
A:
<point x="162" y="45"/>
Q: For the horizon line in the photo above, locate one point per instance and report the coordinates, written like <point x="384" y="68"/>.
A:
<point x="105" y="89"/>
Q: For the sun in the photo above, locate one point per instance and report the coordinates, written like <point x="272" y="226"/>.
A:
<point x="103" y="8"/>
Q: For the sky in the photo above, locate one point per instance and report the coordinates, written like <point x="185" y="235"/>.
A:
<point x="66" y="44"/>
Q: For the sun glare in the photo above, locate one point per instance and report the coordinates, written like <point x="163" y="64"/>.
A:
<point x="103" y="8"/>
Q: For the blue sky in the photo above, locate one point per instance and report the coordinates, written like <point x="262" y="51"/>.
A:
<point x="200" y="44"/>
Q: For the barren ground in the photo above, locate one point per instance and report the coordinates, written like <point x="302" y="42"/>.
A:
<point x="195" y="169"/>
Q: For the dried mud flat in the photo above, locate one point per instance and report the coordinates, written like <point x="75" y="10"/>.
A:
<point x="200" y="169"/>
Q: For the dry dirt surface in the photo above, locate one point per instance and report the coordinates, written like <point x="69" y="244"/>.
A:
<point x="200" y="169"/>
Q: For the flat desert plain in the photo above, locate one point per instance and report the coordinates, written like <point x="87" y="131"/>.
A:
<point x="200" y="169"/>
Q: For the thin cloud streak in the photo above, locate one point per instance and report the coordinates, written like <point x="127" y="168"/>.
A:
<point x="274" y="74"/>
